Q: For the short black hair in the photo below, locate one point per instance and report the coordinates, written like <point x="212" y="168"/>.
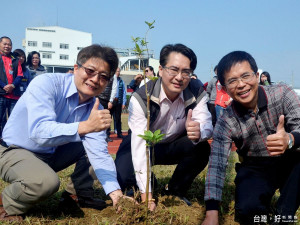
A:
<point x="5" y="37"/>
<point x="180" y="48"/>
<point x="97" y="51"/>
<point x="29" y="58"/>
<point x="230" y="60"/>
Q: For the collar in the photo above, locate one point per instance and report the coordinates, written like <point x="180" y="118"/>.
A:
<point x="262" y="102"/>
<point x="10" y="55"/>
<point x="163" y="96"/>
<point x="40" y="68"/>
<point x="72" y="88"/>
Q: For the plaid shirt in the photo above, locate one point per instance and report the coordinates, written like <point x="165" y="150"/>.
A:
<point x="249" y="131"/>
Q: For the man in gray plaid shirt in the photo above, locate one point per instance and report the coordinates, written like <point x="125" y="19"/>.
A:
<point x="264" y="124"/>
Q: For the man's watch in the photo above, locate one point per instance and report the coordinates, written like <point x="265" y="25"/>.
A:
<point x="290" y="141"/>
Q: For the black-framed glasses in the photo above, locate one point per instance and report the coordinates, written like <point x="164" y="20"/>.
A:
<point x="246" y="77"/>
<point x="92" y="73"/>
<point x="174" y="71"/>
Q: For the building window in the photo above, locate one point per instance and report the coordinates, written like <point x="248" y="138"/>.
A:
<point x="47" y="44"/>
<point x="64" y="46"/>
<point x="32" y="43"/>
<point x="47" y="55"/>
<point x="65" y="57"/>
<point x="47" y="30"/>
<point x="79" y="48"/>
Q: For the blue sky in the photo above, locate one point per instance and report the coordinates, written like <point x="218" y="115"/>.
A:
<point x="268" y="30"/>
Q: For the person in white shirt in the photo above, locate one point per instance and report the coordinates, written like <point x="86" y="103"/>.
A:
<point x="149" y="72"/>
<point x="178" y="107"/>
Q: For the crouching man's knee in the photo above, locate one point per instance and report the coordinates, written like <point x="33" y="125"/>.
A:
<point x="50" y="186"/>
<point x="41" y="188"/>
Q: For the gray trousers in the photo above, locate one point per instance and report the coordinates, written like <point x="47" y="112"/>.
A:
<point x="32" y="176"/>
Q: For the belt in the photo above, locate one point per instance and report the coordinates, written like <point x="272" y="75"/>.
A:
<point x="3" y="143"/>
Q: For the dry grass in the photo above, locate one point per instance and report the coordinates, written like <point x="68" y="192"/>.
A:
<point x="170" y="210"/>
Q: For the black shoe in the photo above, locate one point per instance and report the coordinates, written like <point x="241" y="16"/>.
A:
<point x="185" y="200"/>
<point x="83" y="202"/>
<point x="108" y="139"/>
<point x="120" y="136"/>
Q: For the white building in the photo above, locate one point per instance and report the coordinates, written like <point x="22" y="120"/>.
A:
<point x="57" y="46"/>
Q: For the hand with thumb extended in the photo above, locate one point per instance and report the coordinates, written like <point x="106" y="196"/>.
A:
<point x="277" y="143"/>
<point x="98" y="120"/>
<point x="280" y="126"/>
<point x="192" y="127"/>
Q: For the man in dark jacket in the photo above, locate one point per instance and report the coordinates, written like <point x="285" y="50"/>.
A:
<point x="178" y="107"/>
<point x="10" y="78"/>
<point x="107" y="98"/>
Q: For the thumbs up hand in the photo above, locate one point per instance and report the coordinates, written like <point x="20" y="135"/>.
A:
<point x="192" y="127"/>
<point x="98" y="120"/>
<point x="277" y="143"/>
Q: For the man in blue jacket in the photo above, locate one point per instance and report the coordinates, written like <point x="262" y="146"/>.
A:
<point x="59" y="122"/>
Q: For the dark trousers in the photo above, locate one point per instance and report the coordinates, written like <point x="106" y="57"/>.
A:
<point x="257" y="180"/>
<point x="191" y="160"/>
<point x="5" y="104"/>
<point x="212" y="110"/>
<point x="117" y="111"/>
<point x="105" y="106"/>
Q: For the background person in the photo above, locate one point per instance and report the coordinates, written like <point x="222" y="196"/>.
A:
<point x="11" y="75"/>
<point x="34" y="64"/>
<point x="135" y="82"/>
<point x="107" y="98"/>
<point x="20" y="54"/>
<point x="265" y="78"/>
<point x="222" y="100"/>
<point x="149" y="72"/>
<point x="119" y="103"/>
<point x="211" y="90"/>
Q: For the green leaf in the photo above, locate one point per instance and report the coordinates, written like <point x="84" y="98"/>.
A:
<point x="135" y="40"/>
<point x="143" y="42"/>
<point x="157" y="132"/>
<point x="148" y="133"/>
<point x="150" y="25"/>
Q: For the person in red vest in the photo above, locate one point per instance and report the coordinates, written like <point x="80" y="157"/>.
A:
<point x="222" y="99"/>
<point x="11" y="75"/>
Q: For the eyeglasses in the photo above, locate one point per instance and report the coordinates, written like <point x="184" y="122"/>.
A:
<point x="174" y="71"/>
<point x="146" y="71"/>
<point x="91" y="73"/>
<point x="246" y="77"/>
